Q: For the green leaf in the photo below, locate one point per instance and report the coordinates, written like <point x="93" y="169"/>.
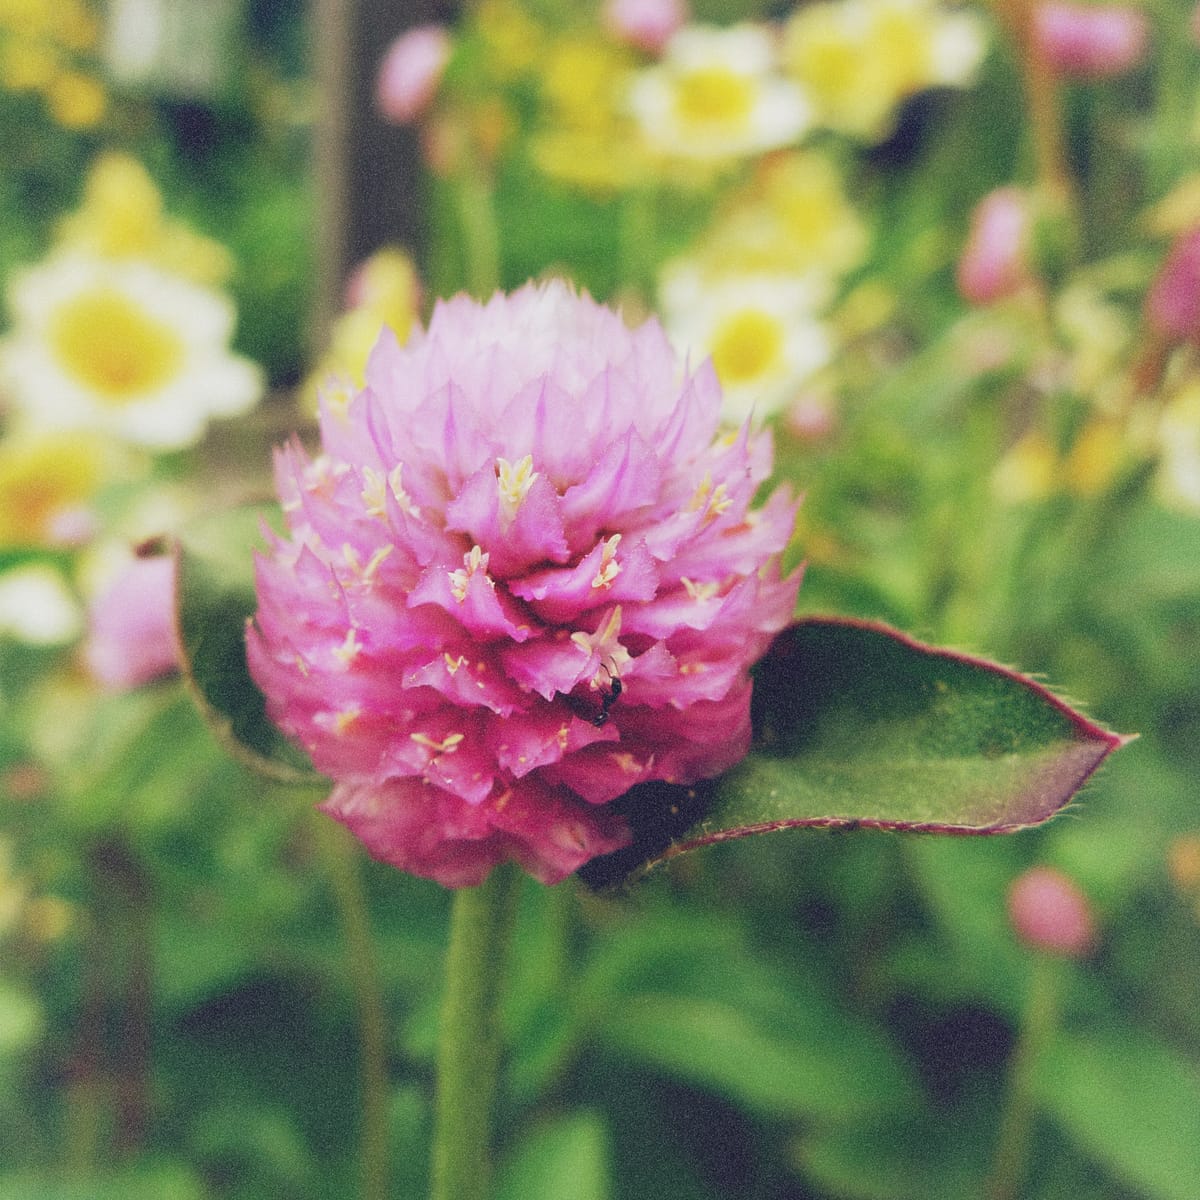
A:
<point x="857" y="724"/>
<point x="1132" y="1102"/>
<point x="214" y="600"/>
<point x="566" y="1159"/>
<point x="690" y="998"/>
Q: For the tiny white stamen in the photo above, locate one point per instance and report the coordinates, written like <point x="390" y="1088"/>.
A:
<point x="605" y="645"/>
<point x="609" y="568"/>
<point x="700" y="592"/>
<point x="396" y="483"/>
<point x="373" y="496"/>
<point x="474" y="560"/>
<point x="350" y="649"/>
<point x="513" y="481"/>
<point x="452" y="663"/>
<point x="447" y="745"/>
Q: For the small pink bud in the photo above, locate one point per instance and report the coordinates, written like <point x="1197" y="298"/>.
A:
<point x="1173" y="302"/>
<point x="810" y="417"/>
<point x="1050" y="913"/>
<point x="1090" y="41"/>
<point x="995" y="260"/>
<point x="131" y="637"/>
<point x="410" y="73"/>
<point x="645" y="24"/>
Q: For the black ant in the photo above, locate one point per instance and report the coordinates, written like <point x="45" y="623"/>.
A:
<point x="608" y="698"/>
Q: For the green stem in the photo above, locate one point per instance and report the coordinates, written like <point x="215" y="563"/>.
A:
<point x="479" y="229"/>
<point x="469" y="1050"/>
<point x="341" y="856"/>
<point x="1016" y="1122"/>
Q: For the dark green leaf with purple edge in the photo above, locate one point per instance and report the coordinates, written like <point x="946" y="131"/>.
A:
<point x="214" y="598"/>
<point x="859" y="725"/>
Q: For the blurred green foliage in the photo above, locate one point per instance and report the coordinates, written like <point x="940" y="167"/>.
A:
<point x="812" y="1015"/>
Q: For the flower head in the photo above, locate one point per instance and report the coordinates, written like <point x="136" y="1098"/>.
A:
<point x="410" y="73"/>
<point x="859" y="59"/>
<point x="1049" y="912"/>
<point x="716" y="96"/>
<point x="1090" y="41"/>
<point x="761" y="329"/>
<point x="122" y="347"/>
<point x="46" y="487"/>
<point x="645" y="24"/>
<point x="131" y="624"/>
<point x="995" y="260"/>
<point x="526" y="506"/>
<point x="1173" y="301"/>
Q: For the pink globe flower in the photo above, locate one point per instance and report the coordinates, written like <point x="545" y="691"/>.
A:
<point x="1091" y="41"/>
<point x="522" y="576"/>
<point x="645" y="24"/>
<point x="131" y="625"/>
<point x="410" y="73"/>
<point x="1050" y="913"/>
<point x="1173" y="301"/>
<point x="995" y="260"/>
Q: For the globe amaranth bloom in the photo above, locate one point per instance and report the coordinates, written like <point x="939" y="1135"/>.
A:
<point x="522" y="576"/>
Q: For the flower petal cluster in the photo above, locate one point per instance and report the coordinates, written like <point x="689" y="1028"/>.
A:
<point x="522" y="576"/>
<point x="123" y="348"/>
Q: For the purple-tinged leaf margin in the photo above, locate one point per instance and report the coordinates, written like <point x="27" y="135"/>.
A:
<point x="857" y="725"/>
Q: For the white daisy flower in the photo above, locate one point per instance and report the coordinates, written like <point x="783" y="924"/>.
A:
<point x="761" y="330"/>
<point x="37" y="607"/>
<point x="123" y="348"/>
<point x="715" y="95"/>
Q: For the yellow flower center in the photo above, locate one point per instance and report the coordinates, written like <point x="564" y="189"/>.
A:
<point x="713" y="96"/>
<point x="114" y="347"/>
<point x="747" y="346"/>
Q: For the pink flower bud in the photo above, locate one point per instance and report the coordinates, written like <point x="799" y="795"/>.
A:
<point x="131" y="623"/>
<point x="1088" y="40"/>
<point x="1050" y="913"/>
<point x="410" y="73"/>
<point x="1173" y="302"/>
<point x="645" y="24"/>
<point x="810" y="417"/>
<point x="995" y="259"/>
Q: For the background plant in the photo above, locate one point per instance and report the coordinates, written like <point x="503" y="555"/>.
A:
<point x="188" y="983"/>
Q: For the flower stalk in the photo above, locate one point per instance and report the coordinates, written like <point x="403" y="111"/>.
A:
<point x="1016" y="1123"/>
<point x="481" y="922"/>
<point x="341" y="855"/>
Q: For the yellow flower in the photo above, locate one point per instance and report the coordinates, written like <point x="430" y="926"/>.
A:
<point x="715" y="96"/>
<point x="793" y="215"/>
<point x="1095" y="458"/>
<point x="512" y="39"/>
<point x="761" y="331"/>
<point x="384" y="291"/>
<point x="46" y="483"/>
<point x="123" y="348"/>
<point x="122" y="216"/>
<point x="858" y="59"/>
<point x="584" y="137"/>
<point x="27" y="65"/>
<point x="76" y="101"/>
<point x="1027" y="472"/>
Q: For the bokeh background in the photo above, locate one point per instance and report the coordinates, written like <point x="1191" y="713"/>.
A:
<point x="949" y="252"/>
